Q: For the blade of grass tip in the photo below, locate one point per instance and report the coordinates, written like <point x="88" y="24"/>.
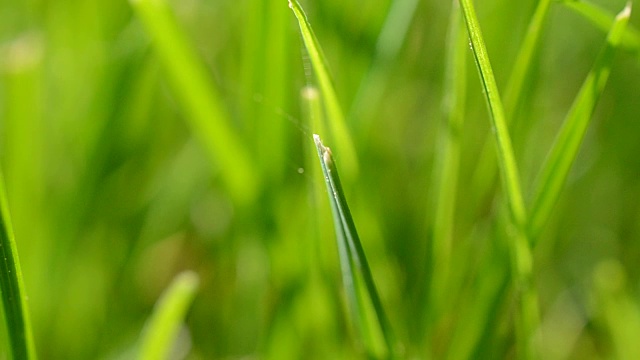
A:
<point x="520" y="252"/>
<point x="12" y="290"/>
<point x="191" y="83"/>
<point x="447" y="160"/>
<point x="565" y="149"/>
<point x="604" y="21"/>
<point x="351" y="246"/>
<point x="162" y="328"/>
<point x="336" y="120"/>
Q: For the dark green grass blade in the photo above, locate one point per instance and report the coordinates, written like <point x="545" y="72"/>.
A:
<point x="352" y="258"/>
<point x="520" y="252"/>
<point x="12" y="288"/>
<point x="192" y="86"/>
<point x="162" y="328"/>
<point x="335" y="116"/>
<point x="565" y="149"/>
<point x="604" y="20"/>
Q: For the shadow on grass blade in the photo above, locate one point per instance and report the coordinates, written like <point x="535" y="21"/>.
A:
<point x="162" y="328"/>
<point x="355" y="268"/>
<point x="12" y="291"/>
<point x="565" y="149"/>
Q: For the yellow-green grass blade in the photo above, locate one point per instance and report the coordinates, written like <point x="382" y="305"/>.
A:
<point x="567" y="144"/>
<point x="448" y="158"/>
<point x="204" y="110"/>
<point x="162" y="328"/>
<point x="604" y="20"/>
<point x="355" y="268"/>
<point x="520" y="252"/>
<point x="12" y="290"/>
<point x="335" y="116"/>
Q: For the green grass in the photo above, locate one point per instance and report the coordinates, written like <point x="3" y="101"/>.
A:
<point x="12" y="289"/>
<point x="159" y="336"/>
<point x="495" y="209"/>
<point x="354" y="264"/>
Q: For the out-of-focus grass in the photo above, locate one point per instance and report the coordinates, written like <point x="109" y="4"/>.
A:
<point x="117" y="180"/>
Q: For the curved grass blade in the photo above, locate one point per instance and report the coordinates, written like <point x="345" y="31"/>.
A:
<point x="604" y="20"/>
<point x="162" y="328"/>
<point x="12" y="288"/>
<point x="355" y="268"/>
<point x="565" y="149"/>
<point x="209" y="121"/>
<point x="335" y="116"/>
<point x="521" y="258"/>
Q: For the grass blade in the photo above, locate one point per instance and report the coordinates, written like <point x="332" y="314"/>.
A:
<point x="484" y="176"/>
<point x="353" y="260"/>
<point x="604" y="20"/>
<point x="520" y="252"/>
<point x="205" y="112"/>
<point x="507" y="161"/>
<point x="12" y="289"/>
<point x="335" y="116"/>
<point x="565" y="149"/>
<point x="448" y="159"/>
<point x="162" y="328"/>
<point x="517" y="79"/>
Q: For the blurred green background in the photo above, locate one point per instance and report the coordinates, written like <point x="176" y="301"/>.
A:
<point x="112" y="192"/>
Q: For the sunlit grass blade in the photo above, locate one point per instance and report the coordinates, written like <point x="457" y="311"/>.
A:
<point x="354" y="262"/>
<point x="162" y="328"/>
<point x="335" y="116"/>
<point x="520" y="252"/>
<point x="448" y="158"/>
<point x="565" y="149"/>
<point x="205" y="112"/>
<point x="12" y="290"/>
<point x="604" y="21"/>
